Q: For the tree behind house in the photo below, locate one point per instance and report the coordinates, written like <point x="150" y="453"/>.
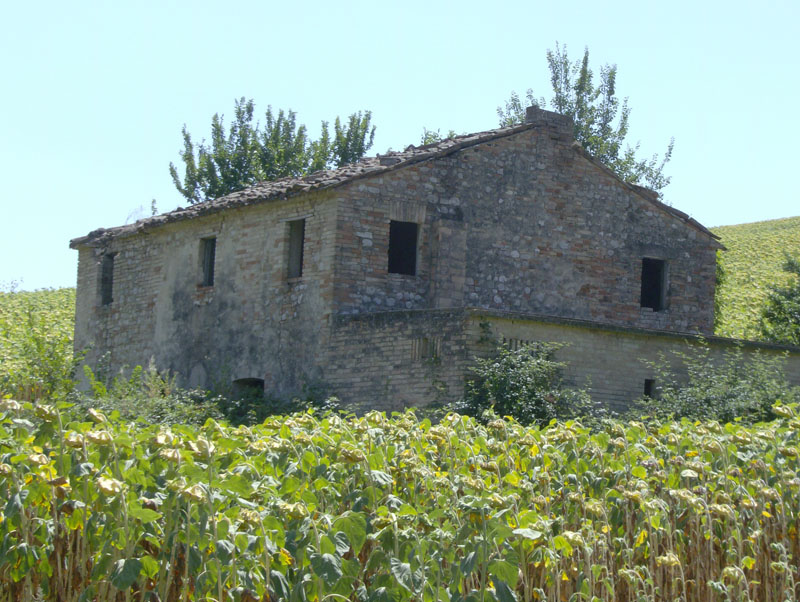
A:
<point x="780" y="319"/>
<point x="600" y="118"/>
<point x="247" y="153"/>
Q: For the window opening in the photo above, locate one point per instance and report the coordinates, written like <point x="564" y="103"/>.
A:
<point x="403" y="248"/>
<point x="654" y="272"/>
<point x="649" y="387"/>
<point x="208" y="253"/>
<point x="297" y="232"/>
<point x="107" y="279"/>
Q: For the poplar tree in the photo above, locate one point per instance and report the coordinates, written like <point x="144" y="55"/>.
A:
<point x="599" y="116"/>
<point x="245" y="152"/>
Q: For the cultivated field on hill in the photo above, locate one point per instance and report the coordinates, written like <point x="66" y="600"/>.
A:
<point x="319" y="508"/>
<point x="36" y="330"/>
<point x="752" y="263"/>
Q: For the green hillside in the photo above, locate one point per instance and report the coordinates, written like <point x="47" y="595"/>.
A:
<point x="752" y="263"/>
<point x="36" y="342"/>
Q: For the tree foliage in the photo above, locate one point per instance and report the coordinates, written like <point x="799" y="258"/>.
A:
<point x="246" y="152"/>
<point x="600" y="117"/>
<point x="780" y="319"/>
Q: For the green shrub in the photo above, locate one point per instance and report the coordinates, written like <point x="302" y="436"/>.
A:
<point x="254" y="408"/>
<point x="525" y="384"/>
<point x="735" y="386"/>
<point x="153" y="397"/>
<point x="149" y="397"/>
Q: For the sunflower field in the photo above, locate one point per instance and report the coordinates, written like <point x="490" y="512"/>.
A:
<point x="335" y="507"/>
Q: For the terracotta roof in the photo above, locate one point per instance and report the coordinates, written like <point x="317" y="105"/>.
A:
<point x="331" y="178"/>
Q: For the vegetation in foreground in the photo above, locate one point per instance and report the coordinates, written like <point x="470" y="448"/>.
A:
<point x="752" y="264"/>
<point x="311" y="507"/>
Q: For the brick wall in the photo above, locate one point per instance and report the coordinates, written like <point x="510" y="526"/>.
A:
<point x="362" y="282"/>
<point x="613" y="362"/>
<point x="375" y="360"/>
<point x="252" y="323"/>
<point x="398" y="359"/>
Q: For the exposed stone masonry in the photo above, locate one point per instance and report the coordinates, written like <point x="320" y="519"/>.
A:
<point x="516" y="220"/>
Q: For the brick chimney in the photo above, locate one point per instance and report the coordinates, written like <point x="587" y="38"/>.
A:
<point x="561" y="123"/>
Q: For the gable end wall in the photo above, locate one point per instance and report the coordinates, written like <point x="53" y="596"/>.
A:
<point x="522" y="223"/>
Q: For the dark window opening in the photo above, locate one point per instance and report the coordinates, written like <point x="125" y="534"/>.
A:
<point x="247" y="388"/>
<point x="297" y="232"/>
<point x="107" y="279"/>
<point x="208" y="252"/>
<point x="654" y="281"/>
<point x="649" y="387"/>
<point x="403" y="248"/>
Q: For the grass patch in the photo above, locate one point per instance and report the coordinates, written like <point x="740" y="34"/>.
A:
<point x="753" y="263"/>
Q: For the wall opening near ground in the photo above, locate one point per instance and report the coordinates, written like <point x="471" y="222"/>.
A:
<point x="247" y="387"/>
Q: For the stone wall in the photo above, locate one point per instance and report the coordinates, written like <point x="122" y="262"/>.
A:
<point x="377" y="361"/>
<point x="522" y="223"/>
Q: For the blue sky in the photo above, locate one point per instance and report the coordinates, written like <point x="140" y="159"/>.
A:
<point x="95" y="94"/>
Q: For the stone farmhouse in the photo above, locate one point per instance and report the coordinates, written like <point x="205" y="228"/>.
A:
<point x="380" y="282"/>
